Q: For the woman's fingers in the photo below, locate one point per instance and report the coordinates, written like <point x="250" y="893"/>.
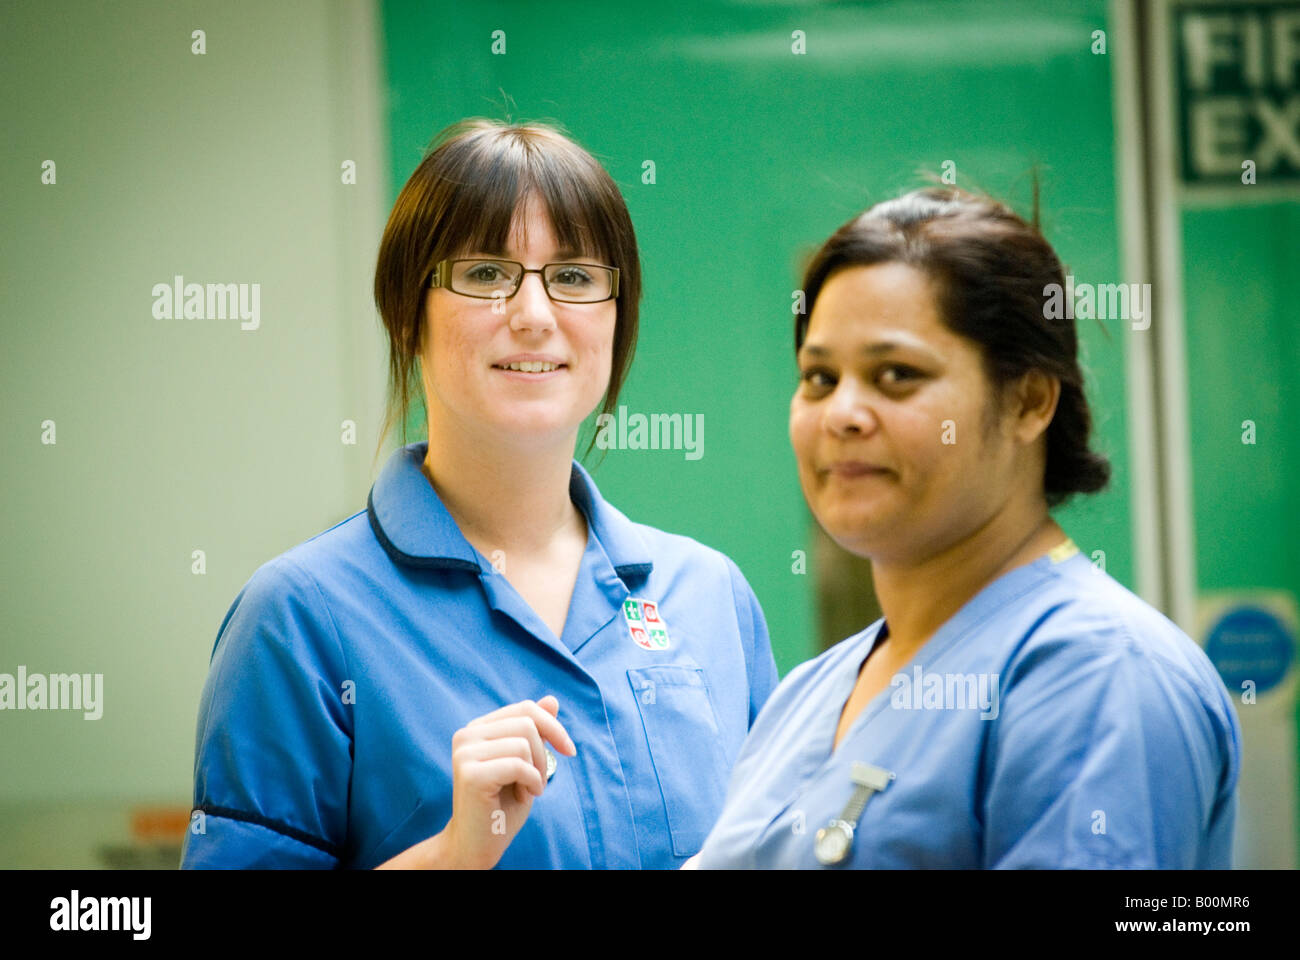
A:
<point x="517" y="726"/>
<point x="548" y="726"/>
<point x="515" y="747"/>
<point x="499" y="773"/>
<point x="495" y="757"/>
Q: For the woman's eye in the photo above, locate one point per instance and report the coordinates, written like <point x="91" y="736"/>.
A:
<point x="894" y="375"/>
<point x="817" y="378"/>
<point x="483" y="273"/>
<point x="571" y="277"/>
<point x="901" y="373"/>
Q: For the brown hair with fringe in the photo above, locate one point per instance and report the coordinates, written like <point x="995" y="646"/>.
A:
<point x="464" y="196"/>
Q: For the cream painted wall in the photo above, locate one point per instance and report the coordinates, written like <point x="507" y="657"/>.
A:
<point x="172" y="435"/>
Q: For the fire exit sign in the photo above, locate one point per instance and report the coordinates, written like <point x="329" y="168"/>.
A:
<point x="1238" y="75"/>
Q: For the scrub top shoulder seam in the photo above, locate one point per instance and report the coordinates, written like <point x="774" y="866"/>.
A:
<point x="324" y="602"/>
<point x="348" y="672"/>
<point x="1118" y="631"/>
<point x="732" y="571"/>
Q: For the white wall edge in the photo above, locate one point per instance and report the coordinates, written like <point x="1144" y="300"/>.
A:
<point x="1169" y="313"/>
<point x="1144" y="500"/>
<point x="362" y="136"/>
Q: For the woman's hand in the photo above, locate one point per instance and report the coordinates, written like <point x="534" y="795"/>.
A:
<point x="498" y="767"/>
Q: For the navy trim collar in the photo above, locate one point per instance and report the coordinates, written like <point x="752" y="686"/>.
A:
<point x="415" y="529"/>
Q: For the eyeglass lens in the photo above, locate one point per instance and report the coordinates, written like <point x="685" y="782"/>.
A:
<point x="576" y="282"/>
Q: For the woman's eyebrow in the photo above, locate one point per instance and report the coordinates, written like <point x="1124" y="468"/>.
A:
<point x="879" y="348"/>
<point x="870" y="349"/>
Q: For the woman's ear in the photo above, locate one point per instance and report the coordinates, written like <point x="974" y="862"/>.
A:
<point x="1035" y="397"/>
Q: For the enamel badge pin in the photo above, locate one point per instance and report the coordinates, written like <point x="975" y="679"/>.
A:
<point x="646" y="627"/>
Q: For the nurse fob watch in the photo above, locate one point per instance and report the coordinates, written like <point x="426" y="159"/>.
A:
<point x="835" y="840"/>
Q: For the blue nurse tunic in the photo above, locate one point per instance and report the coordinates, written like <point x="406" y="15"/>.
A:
<point x="1056" y="721"/>
<point x="345" y="666"/>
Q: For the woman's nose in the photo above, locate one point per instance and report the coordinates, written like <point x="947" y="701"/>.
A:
<point x="848" y="410"/>
<point x="531" y="308"/>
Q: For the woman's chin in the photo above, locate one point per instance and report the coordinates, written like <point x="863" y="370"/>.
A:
<point x="534" y="429"/>
<point x="861" y="533"/>
<point x="856" y="544"/>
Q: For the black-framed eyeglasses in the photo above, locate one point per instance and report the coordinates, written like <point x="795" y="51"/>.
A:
<point x="494" y="279"/>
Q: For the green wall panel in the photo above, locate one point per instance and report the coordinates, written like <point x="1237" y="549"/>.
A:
<point x="1242" y="286"/>
<point x="760" y="153"/>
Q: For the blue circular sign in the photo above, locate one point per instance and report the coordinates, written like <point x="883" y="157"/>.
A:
<point x="1250" y="643"/>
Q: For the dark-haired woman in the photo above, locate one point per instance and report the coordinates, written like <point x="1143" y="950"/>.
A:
<point x="1015" y="706"/>
<point x="389" y="692"/>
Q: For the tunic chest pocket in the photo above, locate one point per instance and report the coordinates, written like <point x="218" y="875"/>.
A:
<point x="685" y="744"/>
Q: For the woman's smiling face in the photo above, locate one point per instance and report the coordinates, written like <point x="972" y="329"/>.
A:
<point x="469" y="342"/>
<point x="899" y="447"/>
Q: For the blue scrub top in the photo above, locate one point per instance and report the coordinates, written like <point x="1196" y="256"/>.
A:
<point x="1056" y="721"/>
<point x="345" y="666"/>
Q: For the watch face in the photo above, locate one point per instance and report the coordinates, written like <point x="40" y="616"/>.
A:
<point x="832" y="845"/>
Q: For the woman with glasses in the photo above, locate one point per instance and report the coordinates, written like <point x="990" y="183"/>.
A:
<point x="490" y="665"/>
<point x="1015" y="706"/>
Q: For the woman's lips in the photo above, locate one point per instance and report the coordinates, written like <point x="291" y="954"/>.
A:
<point x="853" y="469"/>
<point x="530" y="377"/>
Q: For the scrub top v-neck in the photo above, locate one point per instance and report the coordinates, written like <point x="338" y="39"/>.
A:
<point x="1055" y="721"/>
<point x="345" y="665"/>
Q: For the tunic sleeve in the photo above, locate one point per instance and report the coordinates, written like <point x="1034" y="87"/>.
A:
<point x="273" y="753"/>
<point x="763" y="677"/>
<point x="1107" y="755"/>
